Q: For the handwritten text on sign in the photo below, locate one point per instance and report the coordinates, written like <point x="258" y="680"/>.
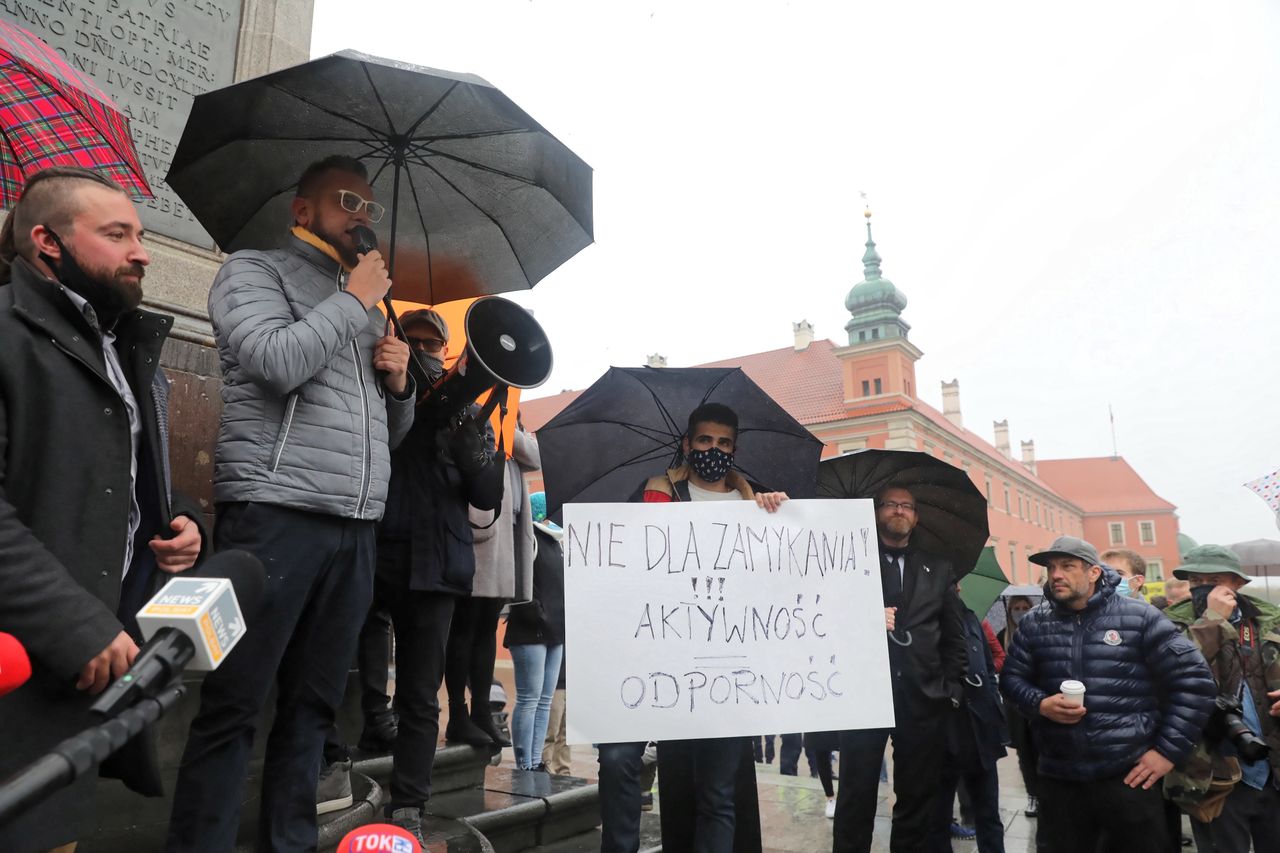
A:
<point x="713" y="619"/>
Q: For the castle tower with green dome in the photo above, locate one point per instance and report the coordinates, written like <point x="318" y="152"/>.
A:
<point x="879" y="362"/>
<point x="875" y="303"/>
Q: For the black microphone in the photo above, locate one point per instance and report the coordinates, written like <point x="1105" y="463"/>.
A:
<point x="200" y="614"/>
<point x="366" y="240"/>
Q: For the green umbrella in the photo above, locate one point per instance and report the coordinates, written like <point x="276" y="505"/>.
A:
<point x="981" y="587"/>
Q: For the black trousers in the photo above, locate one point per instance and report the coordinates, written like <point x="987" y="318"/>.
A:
<point x="1248" y="815"/>
<point x="1105" y="815"/>
<point x="818" y="747"/>
<point x="473" y="648"/>
<point x="789" y="755"/>
<point x="918" y="746"/>
<point x="980" y="797"/>
<point x="373" y="657"/>
<point x="421" y="624"/>
<point x="319" y="579"/>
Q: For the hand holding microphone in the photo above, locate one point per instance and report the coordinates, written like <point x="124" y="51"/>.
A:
<point x="369" y="281"/>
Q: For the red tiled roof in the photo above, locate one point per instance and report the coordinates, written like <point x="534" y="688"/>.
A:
<point x="978" y="443"/>
<point x="808" y="384"/>
<point x="1101" y="484"/>
<point x="535" y="413"/>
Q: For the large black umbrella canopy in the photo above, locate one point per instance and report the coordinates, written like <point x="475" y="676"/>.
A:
<point x="481" y="198"/>
<point x="951" y="511"/>
<point x="627" y="426"/>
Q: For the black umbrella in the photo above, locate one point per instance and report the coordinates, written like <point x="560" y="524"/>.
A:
<point x="951" y="511"/>
<point x="482" y="199"/>
<point x="627" y="427"/>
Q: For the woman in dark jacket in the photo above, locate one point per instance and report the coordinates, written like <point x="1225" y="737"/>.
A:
<point x="535" y="637"/>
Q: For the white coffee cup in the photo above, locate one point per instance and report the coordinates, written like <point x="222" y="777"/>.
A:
<point x="1073" y="691"/>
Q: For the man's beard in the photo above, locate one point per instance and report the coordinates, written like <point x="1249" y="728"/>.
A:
<point x="347" y="254"/>
<point x="896" y="528"/>
<point x="110" y="294"/>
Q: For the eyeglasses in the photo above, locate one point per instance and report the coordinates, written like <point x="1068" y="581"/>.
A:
<point x="426" y="344"/>
<point x="892" y="505"/>
<point x="352" y="202"/>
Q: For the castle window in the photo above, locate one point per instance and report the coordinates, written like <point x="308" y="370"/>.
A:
<point x="866" y="388"/>
<point x="878" y="389"/>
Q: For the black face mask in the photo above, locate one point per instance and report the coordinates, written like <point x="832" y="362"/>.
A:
<point x="711" y="465"/>
<point x="109" y="300"/>
<point x="1200" y="598"/>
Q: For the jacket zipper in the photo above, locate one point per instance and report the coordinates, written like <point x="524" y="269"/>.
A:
<point x="1077" y="668"/>
<point x="365" y="461"/>
<point x="284" y="435"/>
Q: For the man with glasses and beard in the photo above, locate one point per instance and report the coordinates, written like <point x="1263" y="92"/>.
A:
<point x="315" y="394"/>
<point x="87" y="519"/>
<point x="927" y="662"/>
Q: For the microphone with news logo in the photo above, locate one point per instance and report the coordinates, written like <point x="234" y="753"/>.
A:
<point x="196" y="619"/>
<point x="192" y="623"/>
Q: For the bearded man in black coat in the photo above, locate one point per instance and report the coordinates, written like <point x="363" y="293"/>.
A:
<point x="927" y="659"/>
<point x="87" y="521"/>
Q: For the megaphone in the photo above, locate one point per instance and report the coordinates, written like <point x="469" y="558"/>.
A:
<point x="506" y="348"/>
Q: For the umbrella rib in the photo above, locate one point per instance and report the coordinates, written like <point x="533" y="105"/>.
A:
<point x="426" y="233"/>
<point x="477" y="134"/>
<point x="465" y="162"/>
<point x="377" y="133"/>
<point x="431" y="109"/>
<point x="391" y="126"/>
<point x="662" y="407"/>
<point x="514" y="254"/>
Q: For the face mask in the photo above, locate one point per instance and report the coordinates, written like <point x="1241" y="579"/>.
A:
<point x="425" y="369"/>
<point x="1200" y="598"/>
<point x="1123" y="589"/>
<point x="108" y="299"/>
<point x="710" y="465"/>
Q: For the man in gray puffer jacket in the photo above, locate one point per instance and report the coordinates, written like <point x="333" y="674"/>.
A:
<point x="315" y="394"/>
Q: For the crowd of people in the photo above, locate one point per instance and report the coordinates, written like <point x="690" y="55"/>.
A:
<point x="377" y="518"/>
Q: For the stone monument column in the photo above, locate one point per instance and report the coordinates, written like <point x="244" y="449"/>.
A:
<point x="154" y="57"/>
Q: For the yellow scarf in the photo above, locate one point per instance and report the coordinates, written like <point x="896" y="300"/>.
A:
<point x="312" y="240"/>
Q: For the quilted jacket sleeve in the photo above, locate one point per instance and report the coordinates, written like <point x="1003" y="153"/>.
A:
<point x="278" y="351"/>
<point x="1183" y="678"/>
<point x="1017" y="678"/>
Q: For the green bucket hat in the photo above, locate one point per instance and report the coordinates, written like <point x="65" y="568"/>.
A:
<point x="1209" y="560"/>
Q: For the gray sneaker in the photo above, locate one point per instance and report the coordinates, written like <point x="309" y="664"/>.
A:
<point x="410" y="820"/>
<point x="333" y="791"/>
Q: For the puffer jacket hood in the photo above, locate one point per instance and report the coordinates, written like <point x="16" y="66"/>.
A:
<point x="306" y="421"/>
<point x="1147" y="686"/>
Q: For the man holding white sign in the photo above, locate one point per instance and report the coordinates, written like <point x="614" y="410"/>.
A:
<point x="705" y="607"/>
<point x="924" y="619"/>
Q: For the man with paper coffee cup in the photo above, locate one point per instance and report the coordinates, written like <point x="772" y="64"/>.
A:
<point x="1141" y="698"/>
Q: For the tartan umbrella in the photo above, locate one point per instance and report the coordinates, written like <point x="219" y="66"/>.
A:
<point x="52" y="115"/>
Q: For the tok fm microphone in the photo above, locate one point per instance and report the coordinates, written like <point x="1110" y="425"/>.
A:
<point x="15" y="666"/>
<point x="195" y="620"/>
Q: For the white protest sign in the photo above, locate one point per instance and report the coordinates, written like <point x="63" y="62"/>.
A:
<point x="717" y="619"/>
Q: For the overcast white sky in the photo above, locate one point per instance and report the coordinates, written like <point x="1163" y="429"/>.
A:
<point x="1079" y="200"/>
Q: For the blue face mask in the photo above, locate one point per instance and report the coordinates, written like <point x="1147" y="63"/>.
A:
<point x="1123" y="589"/>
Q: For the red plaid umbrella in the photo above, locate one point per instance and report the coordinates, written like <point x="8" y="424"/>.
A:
<point x="52" y="115"/>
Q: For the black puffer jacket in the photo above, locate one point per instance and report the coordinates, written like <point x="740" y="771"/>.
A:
<point x="1146" y="685"/>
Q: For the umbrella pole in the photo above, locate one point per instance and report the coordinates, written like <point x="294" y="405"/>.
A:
<point x="391" y="262"/>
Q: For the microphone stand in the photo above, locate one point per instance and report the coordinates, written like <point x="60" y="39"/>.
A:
<point x="82" y="753"/>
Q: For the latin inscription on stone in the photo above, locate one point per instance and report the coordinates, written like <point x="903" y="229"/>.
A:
<point x="153" y="57"/>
